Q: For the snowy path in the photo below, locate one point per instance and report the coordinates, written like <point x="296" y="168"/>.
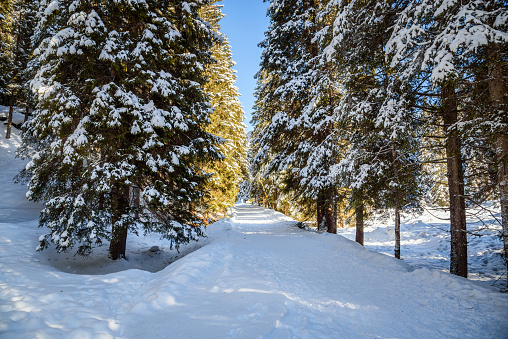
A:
<point x="258" y="276"/>
<point x="272" y="279"/>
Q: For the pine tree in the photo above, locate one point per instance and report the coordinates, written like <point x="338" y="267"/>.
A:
<point x="294" y="104"/>
<point x="447" y="111"/>
<point x="120" y="107"/>
<point x="23" y="23"/>
<point x="497" y="55"/>
<point x="226" y="120"/>
<point x="380" y="160"/>
<point x="441" y="40"/>
<point x="6" y="42"/>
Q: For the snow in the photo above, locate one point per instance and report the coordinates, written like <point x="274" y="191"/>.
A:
<point x="256" y="275"/>
<point x="425" y="241"/>
<point x="17" y="117"/>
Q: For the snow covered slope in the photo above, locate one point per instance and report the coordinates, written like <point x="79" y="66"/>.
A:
<point x="257" y="275"/>
<point x="425" y="241"/>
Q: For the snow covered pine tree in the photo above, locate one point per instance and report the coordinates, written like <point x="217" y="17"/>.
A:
<point x="226" y="120"/>
<point x="378" y="128"/>
<point x="443" y="39"/>
<point x="120" y="105"/>
<point x="22" y="20"/>
<point x="294" y="105"/>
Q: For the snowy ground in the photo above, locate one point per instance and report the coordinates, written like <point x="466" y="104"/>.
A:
<point x="17" y="117"/>
<point x="425" y="241"/>
<point x="257" y="275"/>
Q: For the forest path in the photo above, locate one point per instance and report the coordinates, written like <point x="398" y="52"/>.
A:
<point x="261" y="276"/>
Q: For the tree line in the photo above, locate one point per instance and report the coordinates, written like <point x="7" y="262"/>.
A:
<point x="365" y="104"/>
<point x="133" y="120"/>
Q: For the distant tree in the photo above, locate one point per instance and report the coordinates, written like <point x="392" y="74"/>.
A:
<point x="120" y="106"/>
<point x="244" y="192"/>
<point x="226" y="120"/>
<point x="23" y="23"/>
<point x="6" y="42"/>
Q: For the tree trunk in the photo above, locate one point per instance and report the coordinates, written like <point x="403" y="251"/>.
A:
<point x="329" y="212"/>
<point x="397" y="203"/>
<point x="341" y="214"/>
<point x="118" y="244"/>
<point x="320" y="215"/>
<point x="502" y="156"/>
<point x="326" y="214"/>
<point x="359" y="224"/>
<point x="120" y="203"/>
<point x="397" y="232"/>
<point x="458" y="254"/>
<point x="136" y="199"/>
<point x="497" y="91"/>
<point x="9" y="119"/>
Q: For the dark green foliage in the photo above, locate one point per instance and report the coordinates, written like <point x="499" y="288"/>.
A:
<point x="120" y="108"/>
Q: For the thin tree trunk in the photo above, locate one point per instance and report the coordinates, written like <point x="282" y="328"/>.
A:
<point x="136" y="199"/>
<point x="264" y="197"/>
<point x="502" y="156"/>
<point x="458" y="254"/>
<point x="320" y="211"/>
<point x="9" y="119"/>
<point x="397" y="204"/>
<point x="329" y="212"/>
<point x="497" y="91"/>
<point x="341" y="213"/>
<point x="397" y="232"/>
<point x="335" y="214"/>
<point x="359" y="224"/>
<point x="120" y="202"/>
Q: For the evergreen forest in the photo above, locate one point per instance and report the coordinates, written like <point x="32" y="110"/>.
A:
<point x="133" y="123"/>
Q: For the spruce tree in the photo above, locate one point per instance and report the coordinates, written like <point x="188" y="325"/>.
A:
<point x="495" y="15"/>
<point x="226" y="120"/>
<point x="439" y="42"/>
<point x="294" y="105"/>
<point x="120" y="107"/>
<point x="380" y="160"/>
<point x="443" y="87"/>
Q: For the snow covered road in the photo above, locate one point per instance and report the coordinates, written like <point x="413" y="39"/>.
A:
<point x="257" y="276"/>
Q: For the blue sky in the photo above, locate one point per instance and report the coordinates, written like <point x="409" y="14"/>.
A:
<point x="245" y="24"/>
